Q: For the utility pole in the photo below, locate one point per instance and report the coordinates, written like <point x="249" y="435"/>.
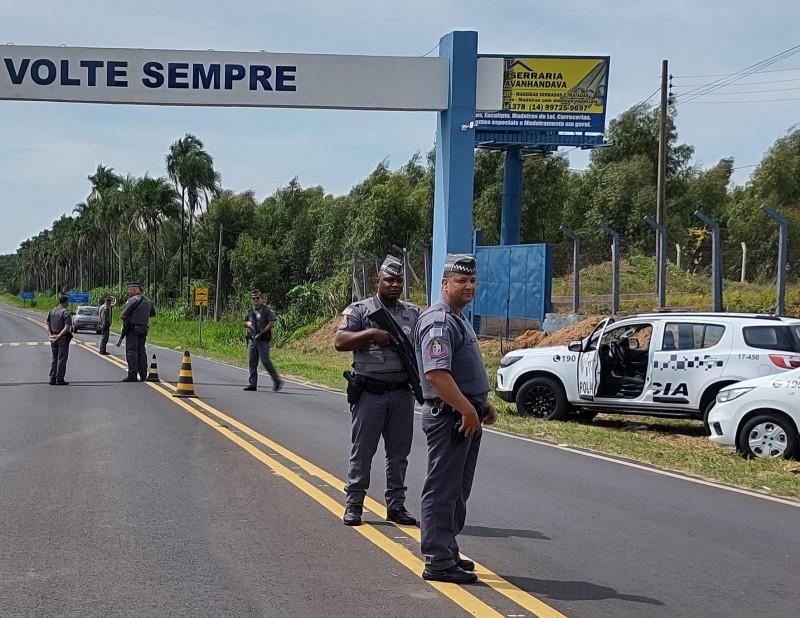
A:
<point x="218" y="295"/>
<point x="662" y="164"/>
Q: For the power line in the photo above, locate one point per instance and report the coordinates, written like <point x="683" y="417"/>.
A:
<point x="727" y="94"/>
<point x="753" y="68"/>
<point x="727" y="102"/>
<point x="774" y="81"/>
<point x="729" y="74"/>
<point x="432" y="48"/>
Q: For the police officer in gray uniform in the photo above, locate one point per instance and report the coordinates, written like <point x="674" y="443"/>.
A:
<point x="456" y="388"/>
<point x="136" y="316"/>
<point x="259" y="321"/>
<point x="59" y="327"/>
<point x="385" y="406"/>
<point x="106" y="316"/>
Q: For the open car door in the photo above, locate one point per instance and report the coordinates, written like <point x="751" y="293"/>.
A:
<point x="589" y="362"/>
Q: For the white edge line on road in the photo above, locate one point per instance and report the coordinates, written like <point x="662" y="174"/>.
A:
<point x="569" y="449"/>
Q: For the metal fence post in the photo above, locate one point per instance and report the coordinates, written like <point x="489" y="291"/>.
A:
<point x="404" y="251"/>
<point x="426" y="256"/>
<point x="716" y="261"/>
<point x="743" y="277"/>
<point x="615" y="266"/>
<point x="576" y="268"/>
<point x="783" y="240"/>
<point x="661" y="267"/>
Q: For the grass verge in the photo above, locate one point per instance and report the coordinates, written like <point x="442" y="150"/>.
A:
<point x="670" y="444"/>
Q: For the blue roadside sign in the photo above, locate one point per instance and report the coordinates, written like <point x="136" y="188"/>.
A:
<point x="79" y="298"/>
<point x="28" y="295"/>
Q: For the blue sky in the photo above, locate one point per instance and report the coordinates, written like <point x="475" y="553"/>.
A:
<point x="48" y="149"/>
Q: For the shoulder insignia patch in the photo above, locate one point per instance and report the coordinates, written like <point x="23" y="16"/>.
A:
<point x="437" y="351"/>
<point x="348" y="310"/>
<point x="435" y="332"/>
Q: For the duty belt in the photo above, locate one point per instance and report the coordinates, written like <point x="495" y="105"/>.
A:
<point x="378" y="387"/>
<point x="439" y="408"/>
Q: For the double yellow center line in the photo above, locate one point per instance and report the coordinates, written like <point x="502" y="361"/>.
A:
<point x="223" y="423"/>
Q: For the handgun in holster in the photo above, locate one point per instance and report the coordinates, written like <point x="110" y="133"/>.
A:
<point x="483" y="411"/>
<point x="355" y="387"/>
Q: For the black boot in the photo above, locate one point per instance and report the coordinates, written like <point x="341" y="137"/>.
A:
<point x="352" y="515"/>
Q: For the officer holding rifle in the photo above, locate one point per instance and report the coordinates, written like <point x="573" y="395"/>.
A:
<point x="381" y="391"/>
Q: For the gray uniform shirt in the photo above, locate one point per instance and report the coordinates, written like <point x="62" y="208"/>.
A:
<point x="105" y="315"/>
<point x="371" y="359"/>
<point x="142" y="314"/>
<point x="58" y="318"/>
<point x="260" y="318"/>
<point x="445" y="340"/>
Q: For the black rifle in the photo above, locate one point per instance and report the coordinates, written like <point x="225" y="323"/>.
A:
<point x="401" y="345"/>
<point x="127" y="327"/>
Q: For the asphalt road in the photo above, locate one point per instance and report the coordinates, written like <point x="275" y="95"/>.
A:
<point x="121" y="500"/>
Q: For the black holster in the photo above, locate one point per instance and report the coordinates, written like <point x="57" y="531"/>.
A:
<point x="481" y="408"/>
<point x="355" y="387"/>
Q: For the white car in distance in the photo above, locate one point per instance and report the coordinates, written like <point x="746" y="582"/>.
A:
<point x="759" y="417"/>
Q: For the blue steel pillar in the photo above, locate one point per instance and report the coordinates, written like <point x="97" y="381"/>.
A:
<point x="455" y="159"/>
<point x="511" y="219"/>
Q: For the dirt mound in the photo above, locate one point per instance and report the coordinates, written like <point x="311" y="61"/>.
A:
<point x="320" y="341"/>
<point x="537" y="338"/>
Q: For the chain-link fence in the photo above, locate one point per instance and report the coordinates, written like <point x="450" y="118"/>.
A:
<point x="749" y="273"/>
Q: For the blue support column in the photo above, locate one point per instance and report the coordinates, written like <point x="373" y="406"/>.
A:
<point x="477" y="241"/>
<point x="511" y="219"/>
<point x="455" y="159"/>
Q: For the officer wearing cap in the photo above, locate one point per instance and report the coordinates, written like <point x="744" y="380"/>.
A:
<point x="456" y="389"/>
<point x="105" y="325"/>
<point x="59" y="327"/>
<point x="259" y="321"/>
<point x="136" y="316"/>
<point x="385" y="406"/>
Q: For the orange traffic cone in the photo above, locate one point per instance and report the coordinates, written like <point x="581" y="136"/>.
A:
<point x="185" y="382"/>
<point x="152" y="375"/>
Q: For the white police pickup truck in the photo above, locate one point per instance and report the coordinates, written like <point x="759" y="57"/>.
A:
<point x="658" y="364"/>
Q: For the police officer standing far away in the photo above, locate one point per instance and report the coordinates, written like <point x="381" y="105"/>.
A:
<point x="105" y="325"/>
<point x="456" y="388"/>
<point x="259" y="321"/>
<point x="59" y="327"/>
<point x="136" y="316"/>
<point x="385" y="406"/>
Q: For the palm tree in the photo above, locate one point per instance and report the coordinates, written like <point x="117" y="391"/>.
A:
<point x="104" y="181"/>
<point x="191" y="169"/>
<point x="157" y="203"/>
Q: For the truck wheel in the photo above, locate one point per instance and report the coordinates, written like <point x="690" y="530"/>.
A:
<point x="543" y="397"/>
<point x="706" y="412"/>
<point x="768" y="436"/>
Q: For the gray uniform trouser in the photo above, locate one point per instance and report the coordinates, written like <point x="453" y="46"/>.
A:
<point x="104" y="338"/>
<point x="390" y="415"/>
<point x="136" y="355"/>
<point x="451" y="469"/>
<point x="58" y="367"/>
<point x="260" y="350"/>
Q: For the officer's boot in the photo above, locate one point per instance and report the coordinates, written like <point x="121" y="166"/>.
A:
<point x="352" y="515"/>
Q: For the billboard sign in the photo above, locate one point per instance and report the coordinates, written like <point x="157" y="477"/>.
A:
<point x="551" y="93"/>
<point x="79" y="298"/>
<point x="235" y="79"/>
